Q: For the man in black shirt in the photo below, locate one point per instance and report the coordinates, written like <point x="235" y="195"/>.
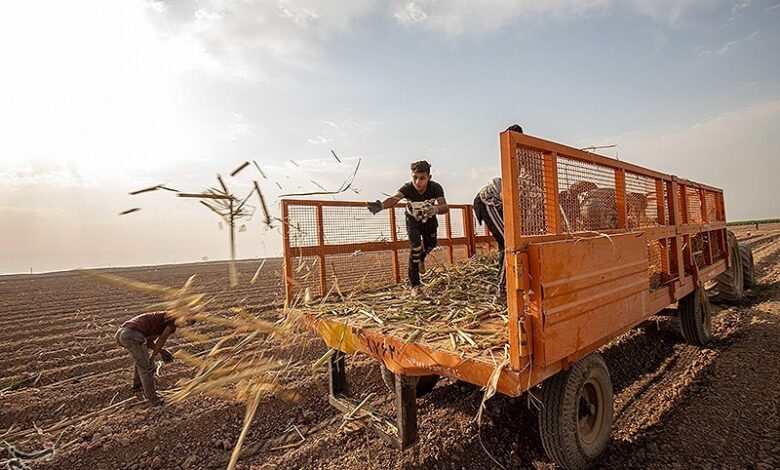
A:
<point x="425" y="199"/>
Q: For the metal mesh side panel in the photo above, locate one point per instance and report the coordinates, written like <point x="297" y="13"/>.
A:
<point x="360" y="270"/>
<point x="480" y="230"/>
<point x="681" y="198"/>
<point x="400" y="223"/>
<point x="587" y="196"/>
<point x="712" y="210"/>
<point x="437" y="258"/>
<point x="456" y="221"/>
<point x="655" y="263"/>
<point x="303" y="225"/>
<point x="717" y="253"/>
<point x="441" y="230"/>
<point x="699" y="242"/>
<point x="694" y="206"/>
<point x="345" y="225"/>
<point x="641" y="201"/>
<point x="531" y="192"/>
<point x="460" y="253"/>
<point x="306" y="272"/>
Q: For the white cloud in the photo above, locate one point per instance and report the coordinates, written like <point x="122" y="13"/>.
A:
<point x="457" y="17"/>
<point x="736" y="151"/>
<point x="410" y="13"/>
<point x="45" y="174"/>
<point x="237" y="128"/>
<point x="730" y="45"/>
<point x="319" y="140"/>
<point x="258" y="40"/>
<point x="667" y="11"/>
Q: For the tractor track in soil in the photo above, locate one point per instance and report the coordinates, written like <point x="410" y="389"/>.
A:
<point x="676" y="406"/>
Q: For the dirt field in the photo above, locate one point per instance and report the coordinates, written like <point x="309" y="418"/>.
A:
<point x="677" y="406"/>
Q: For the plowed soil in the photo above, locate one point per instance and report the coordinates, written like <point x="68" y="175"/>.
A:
<point x="676" y="405"/>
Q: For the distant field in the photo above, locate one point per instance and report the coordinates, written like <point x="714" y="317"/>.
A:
<point x="753" y="222"/>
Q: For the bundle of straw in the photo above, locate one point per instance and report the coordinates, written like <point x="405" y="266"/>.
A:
<point x="463" y="311"/>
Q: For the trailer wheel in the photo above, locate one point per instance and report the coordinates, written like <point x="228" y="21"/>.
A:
<point x="695" y="318"/>
<point x="730" y="283"/>
<point x="425" y="383"/>
<point x="748" y="267"/>
<point x="575" y="421"/>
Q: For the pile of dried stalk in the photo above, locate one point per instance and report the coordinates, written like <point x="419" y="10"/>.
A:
<point x="462" y="312"/>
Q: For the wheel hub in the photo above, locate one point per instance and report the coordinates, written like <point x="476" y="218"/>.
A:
<point x="589" y="415"/>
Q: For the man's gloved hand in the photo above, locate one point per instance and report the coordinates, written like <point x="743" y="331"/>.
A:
<point x="428" y="210"/>
<point x="375" y="207"/>
<point x="166" y="355"/>
<point x="423" y="210"/>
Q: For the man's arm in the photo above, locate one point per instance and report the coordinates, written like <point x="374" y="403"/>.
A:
<point x="377" y="207"/>
<point x="160" y="343"/>
<point x="441" y="205"/>
<point x="392" y="200"/>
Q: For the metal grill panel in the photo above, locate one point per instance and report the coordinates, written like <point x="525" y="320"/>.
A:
<point x="457" y="226"/>
<point x="712" y="208"/>
<point x="303" y="226"/>
<point x="587" y="196"/>
<point x="694" y="206"/>
<point x="306" y="273"/>
<point x="341" y="243"/>
<point x="531" y="191"/>
<point x="347" y="225"/>
<point x="641" y="201"/>
<point x="655" y="261"/>
<point x="359" y="270"/>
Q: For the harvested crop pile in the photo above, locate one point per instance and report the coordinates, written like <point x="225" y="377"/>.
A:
<point x="462" y="312"/>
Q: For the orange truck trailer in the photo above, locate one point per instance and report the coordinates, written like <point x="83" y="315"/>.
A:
<point x="594" y="247"/>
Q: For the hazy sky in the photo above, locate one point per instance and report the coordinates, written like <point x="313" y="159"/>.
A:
<point x="98" y="98"/>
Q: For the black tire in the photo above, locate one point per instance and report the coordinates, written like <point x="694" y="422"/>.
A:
<point x="425" y="383"/>
<point x="575" y="421"/>
<point x="748" y="267"/>
<point x="730" y="283"/>
<point x="695" y="318"/>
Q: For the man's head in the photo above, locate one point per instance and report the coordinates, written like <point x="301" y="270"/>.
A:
<point x="421" y="174"/>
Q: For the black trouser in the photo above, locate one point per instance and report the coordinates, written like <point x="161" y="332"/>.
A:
<point x="493" y="217"/>
<point x="422" y="240"/>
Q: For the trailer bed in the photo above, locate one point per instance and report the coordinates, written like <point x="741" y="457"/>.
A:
<point x="463" y="313"/>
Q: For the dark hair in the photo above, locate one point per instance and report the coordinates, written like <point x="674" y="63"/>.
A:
<point x="515" y="128"/>
<point x="421" y="166"/>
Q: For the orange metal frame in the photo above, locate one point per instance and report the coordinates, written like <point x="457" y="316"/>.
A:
<point x="568" y="294"/>
<point x="469" y="240"/>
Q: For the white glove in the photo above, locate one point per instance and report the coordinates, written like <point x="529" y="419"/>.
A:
<point x="429" y="210"/>
<point x="423" y="210"/>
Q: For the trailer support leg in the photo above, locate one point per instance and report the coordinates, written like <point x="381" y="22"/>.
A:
<point x="406" y="409"/>
<point x="337" y="375"/>
<point x="401" y="433"/>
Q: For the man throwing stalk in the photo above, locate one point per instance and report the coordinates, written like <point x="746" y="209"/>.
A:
<point x="138" y="336"/>
<point x="425" y="200"/>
